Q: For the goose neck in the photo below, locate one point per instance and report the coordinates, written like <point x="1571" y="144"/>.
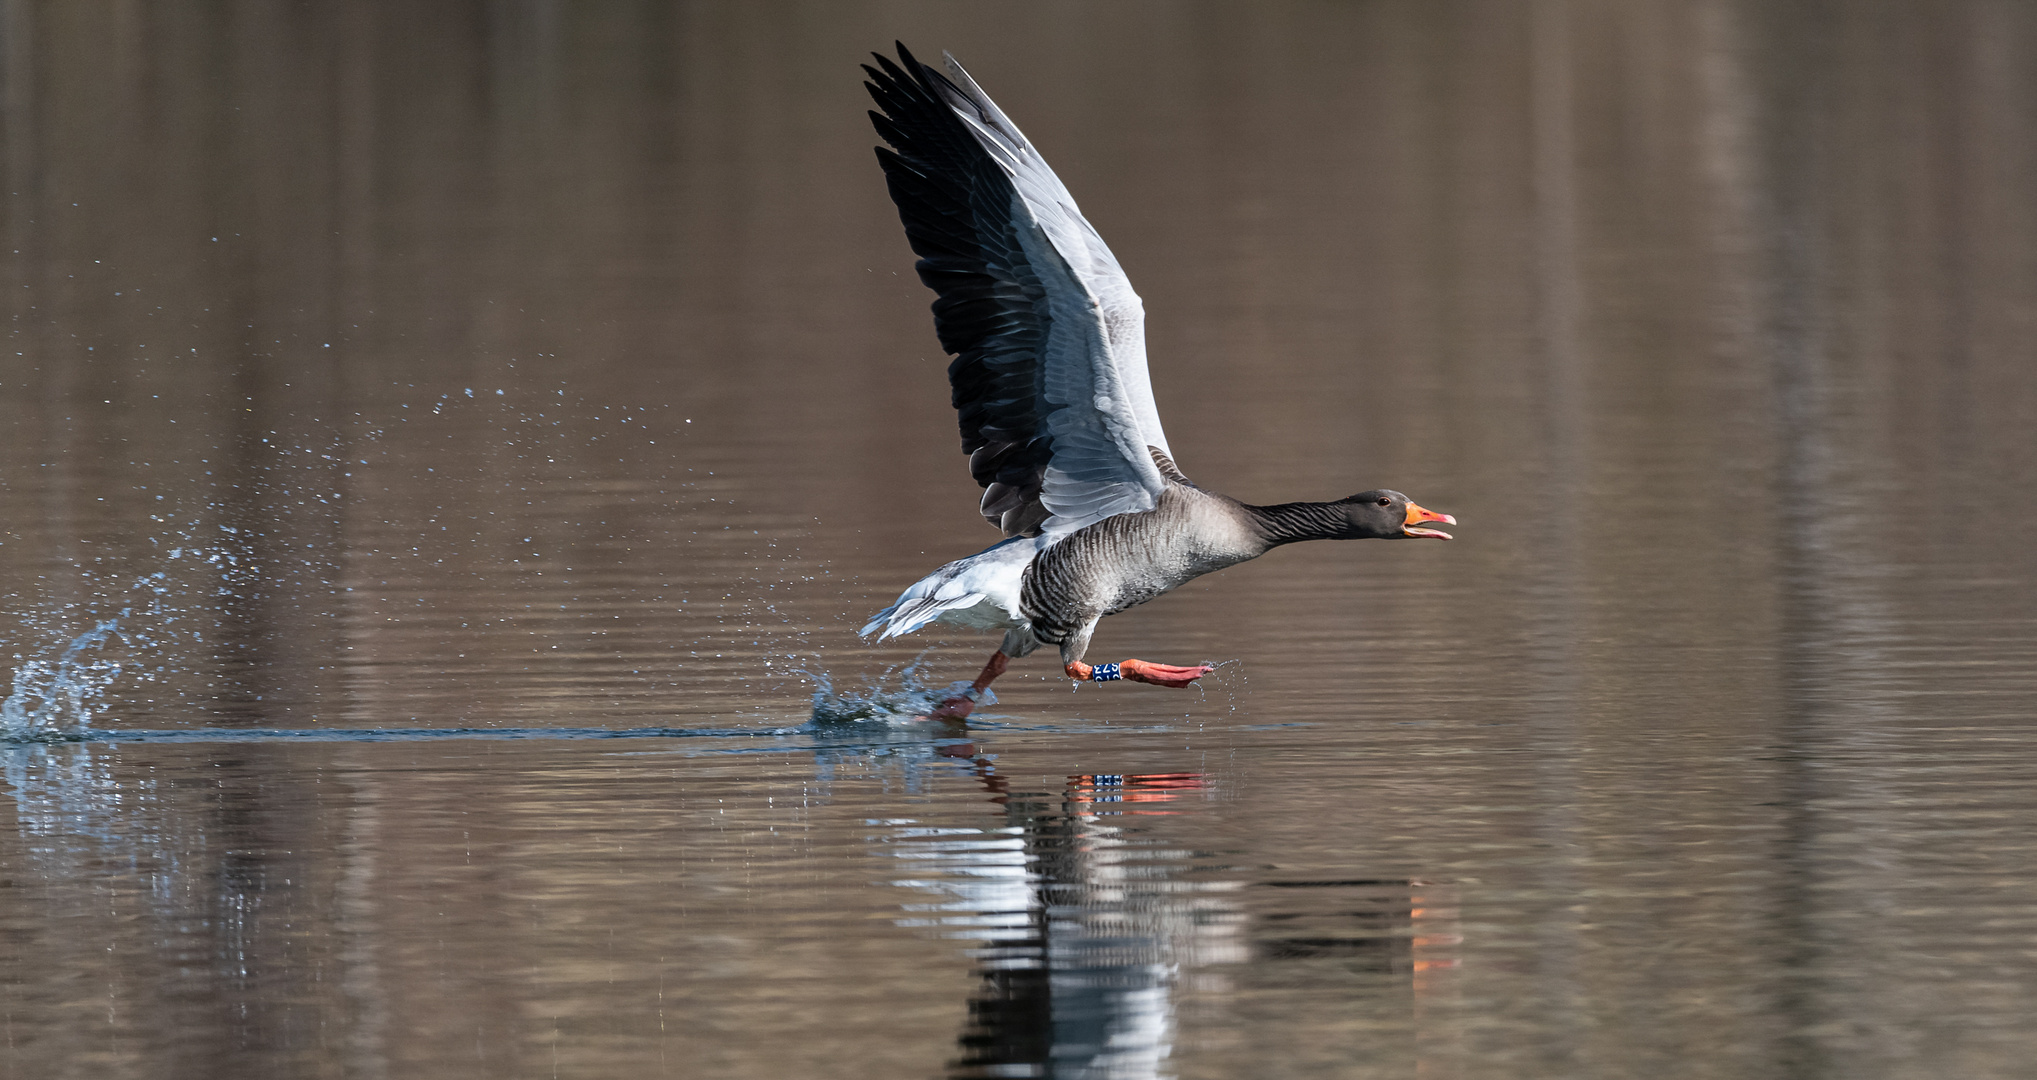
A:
<point x="1286" y="523"/>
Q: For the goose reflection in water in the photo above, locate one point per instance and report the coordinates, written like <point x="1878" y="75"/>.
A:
<point x="1089" y="927"/>
<point x="1087" y="990"/>
<point x="1082" y="924"/>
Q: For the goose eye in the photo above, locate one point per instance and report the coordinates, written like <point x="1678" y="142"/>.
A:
<point x="1386" y="502"/>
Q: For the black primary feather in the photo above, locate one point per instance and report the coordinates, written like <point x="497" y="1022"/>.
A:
<point x="990" y="309"/>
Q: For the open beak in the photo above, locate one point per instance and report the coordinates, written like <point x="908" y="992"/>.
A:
<point x="1416" y="515"/>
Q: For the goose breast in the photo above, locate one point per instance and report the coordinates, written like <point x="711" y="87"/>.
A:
<point x="1124" y="561"/>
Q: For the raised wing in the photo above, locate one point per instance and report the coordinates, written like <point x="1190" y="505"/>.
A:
<point x="1049" y="339"/>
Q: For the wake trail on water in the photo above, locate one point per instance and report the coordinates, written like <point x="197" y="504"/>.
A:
<point x="57" y="691"/>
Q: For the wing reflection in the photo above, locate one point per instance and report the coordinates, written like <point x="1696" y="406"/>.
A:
<point x="1083" y="925"/>
<point x="1090" y="929"/>
<point x="1088" y="990"/>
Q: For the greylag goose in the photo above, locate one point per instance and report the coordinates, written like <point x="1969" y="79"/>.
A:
<point x="1056" y="408"/>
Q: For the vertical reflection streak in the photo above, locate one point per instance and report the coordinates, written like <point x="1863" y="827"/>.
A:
<point x="1557" y="604"/>
<point x="357" y="921"/>
<point x="17" y="138"/>
<point x="1785" y="220"/>
<point x="1765" y="270"/>
<point x="1835" y="715"/>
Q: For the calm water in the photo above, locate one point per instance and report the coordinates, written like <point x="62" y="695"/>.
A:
<point x="397" y="398"/>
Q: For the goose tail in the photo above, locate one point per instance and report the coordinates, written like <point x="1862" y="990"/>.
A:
<point x="981" y="592"/>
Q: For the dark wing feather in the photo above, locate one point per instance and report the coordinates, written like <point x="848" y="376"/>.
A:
<point x="990" y="310"/>
<point x="1049" y="378"/>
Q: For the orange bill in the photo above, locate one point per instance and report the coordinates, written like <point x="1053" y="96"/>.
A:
<point x="1417" y="515"/>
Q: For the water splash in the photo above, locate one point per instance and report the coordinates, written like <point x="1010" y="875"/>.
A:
<point x="54" y="699"/>
<point x="882" y="730"/>
<point x="898" y="696"/>
<point x="57" y="689"/>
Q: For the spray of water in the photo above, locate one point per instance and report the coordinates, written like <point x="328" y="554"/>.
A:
<point x="900" y="695"/>
<point x="53" y="698"/>
<point x="58" y="688"/>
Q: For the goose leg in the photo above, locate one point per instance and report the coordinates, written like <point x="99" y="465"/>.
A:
<point x="957" y="708"/>
<point x="1144" y="671"/>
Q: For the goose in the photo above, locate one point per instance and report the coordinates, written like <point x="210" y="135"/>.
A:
<point x="1055" y="405"/>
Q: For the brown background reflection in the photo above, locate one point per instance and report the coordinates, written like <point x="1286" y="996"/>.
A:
<point x="535" y="365"/>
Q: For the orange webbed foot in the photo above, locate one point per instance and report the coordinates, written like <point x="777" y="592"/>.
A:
<point x="1144" y="671"/>
<point x="961" y="705"/>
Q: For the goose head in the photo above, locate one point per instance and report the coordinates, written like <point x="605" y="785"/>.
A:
<point x="1389" y="515"/>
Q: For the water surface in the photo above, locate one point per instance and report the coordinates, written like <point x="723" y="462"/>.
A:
<point x="448" y="453"/>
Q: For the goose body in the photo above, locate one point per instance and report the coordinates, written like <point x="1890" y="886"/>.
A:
<point x="1054" y="400"/>
<point x="1054" y="588"/>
